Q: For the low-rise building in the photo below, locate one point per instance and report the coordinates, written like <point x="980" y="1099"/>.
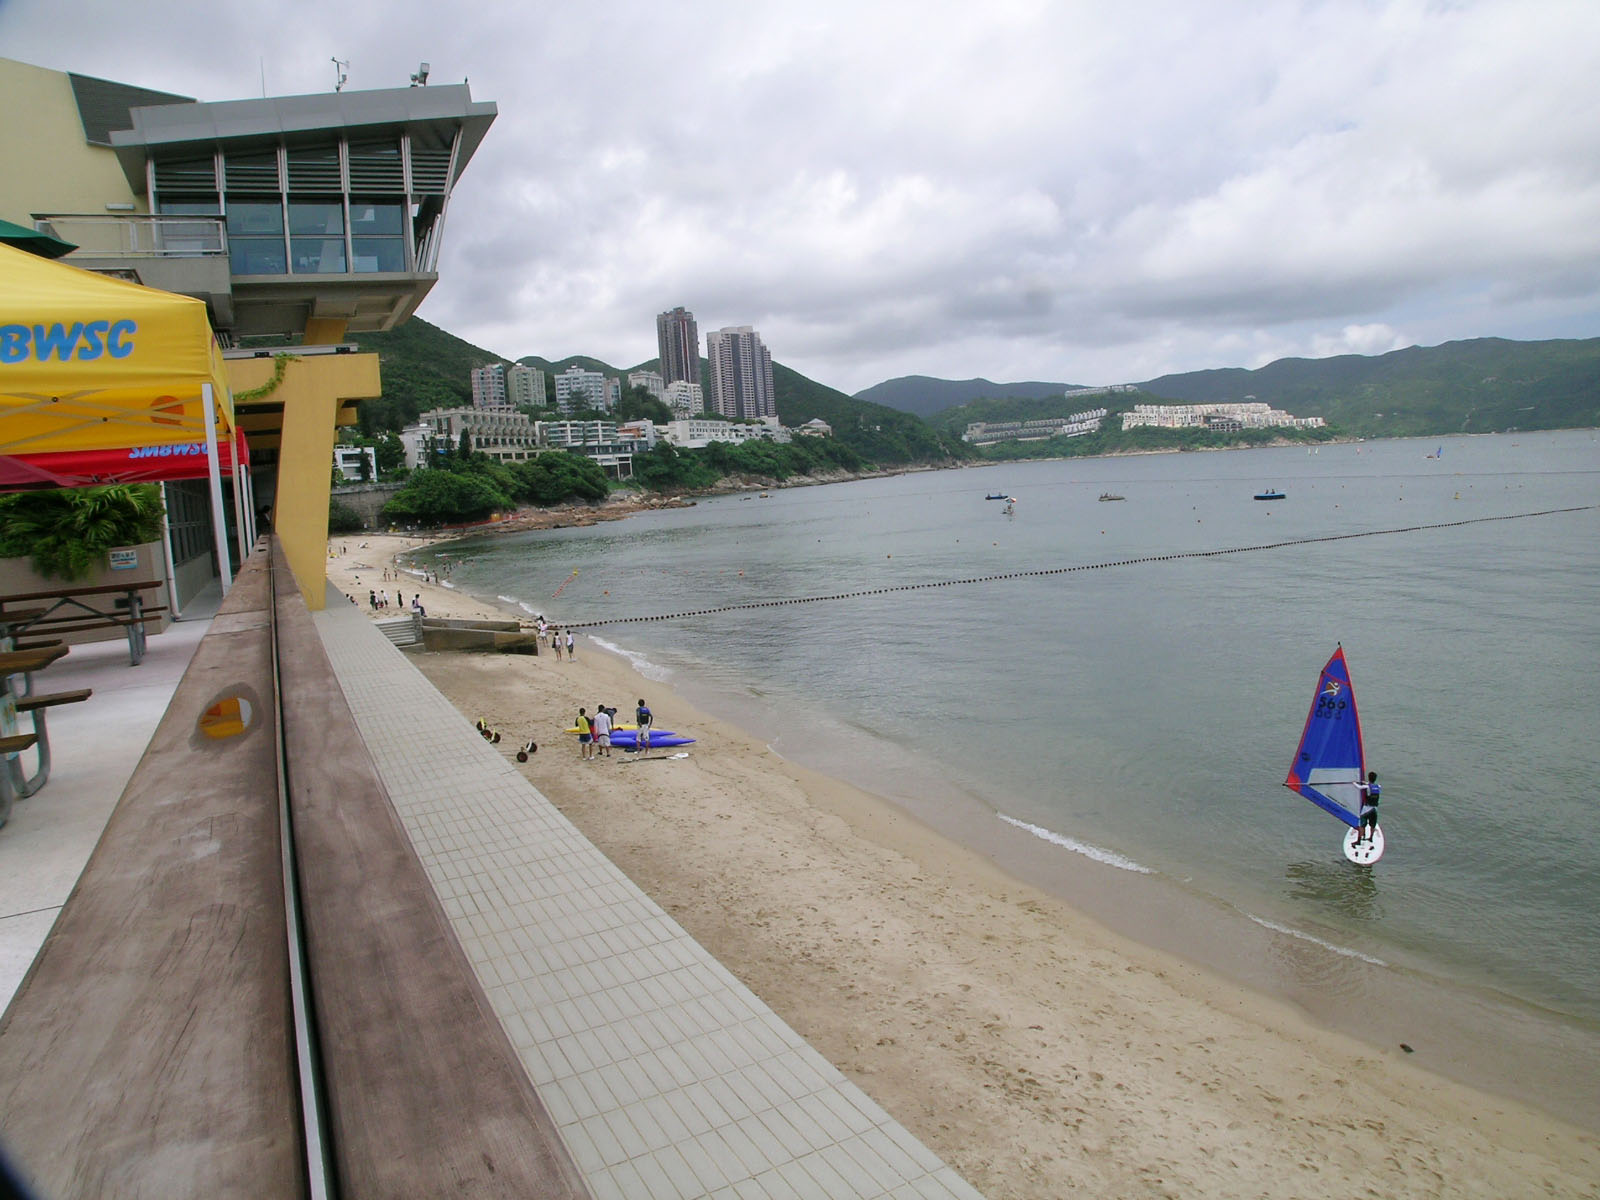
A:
<point x="697" y="432"/>
<point x="503" y="433"/>
<point x="1243" y="415"/>
<point x="348" y="460"/>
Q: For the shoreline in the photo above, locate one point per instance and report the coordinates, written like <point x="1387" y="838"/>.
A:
<point x="1029" y="1045"/>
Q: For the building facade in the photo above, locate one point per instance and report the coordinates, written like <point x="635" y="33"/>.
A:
<point x="489" y="386"/>
<point x="504" y="433"/>
<point x="650" y="381"/>
<point x="685" y="399"/>
<point x="299" y="218"/>
<point x="741" y="374"/>
<point x="525" y="386"/>
<point x="678" y="340"/>
<point x="577" y="388"/>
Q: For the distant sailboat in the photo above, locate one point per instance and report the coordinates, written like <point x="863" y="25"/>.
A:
<point x="1330" y="763"/>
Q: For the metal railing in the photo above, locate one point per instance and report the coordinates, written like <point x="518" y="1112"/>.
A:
<point x="137" y="235"/>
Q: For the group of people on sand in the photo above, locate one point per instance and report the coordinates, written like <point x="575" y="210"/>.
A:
<point x="594" y="732"/>
<point x="554" y="636"/>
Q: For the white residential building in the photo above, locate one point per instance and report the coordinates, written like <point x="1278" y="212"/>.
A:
<point x="650" y="381"/>
<point x="685" y="399"/>
<point x="577" y="388"/>
<point x="1245" y="415"/>
<point x="349" y="458"/>
<point x="695" y="433"/>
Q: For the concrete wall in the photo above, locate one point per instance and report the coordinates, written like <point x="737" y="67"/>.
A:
<point x="367" y="499"/>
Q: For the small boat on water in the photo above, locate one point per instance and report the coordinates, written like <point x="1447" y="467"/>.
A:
<point x="1270" y="494"/>
<point x="995" y="496"/>
<point x="1111" y="496"/>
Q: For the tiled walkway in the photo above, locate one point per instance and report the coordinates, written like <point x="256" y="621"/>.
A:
<point x="667" y="1076"/>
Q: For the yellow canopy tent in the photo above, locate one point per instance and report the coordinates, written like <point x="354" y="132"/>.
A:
<point x="88" y="362"/>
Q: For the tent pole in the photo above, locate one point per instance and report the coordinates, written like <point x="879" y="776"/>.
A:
<point x="241" y="514"/>
<point x="166" y="544"/>
<point x="219" y="519"/>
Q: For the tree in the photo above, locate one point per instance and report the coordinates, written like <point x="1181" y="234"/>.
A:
<point x="559" y="476"/>
<point x="444" y="497"/>
<point x="390" y="452"/>
<point x="464" y="447"/>
<point x="637" y="402"/>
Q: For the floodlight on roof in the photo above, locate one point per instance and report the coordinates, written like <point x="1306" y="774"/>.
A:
<point x="420" y="79"/>
<point x="339" y="65"/>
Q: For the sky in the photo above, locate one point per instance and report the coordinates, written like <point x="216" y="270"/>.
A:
<point x="1072" y="191"/>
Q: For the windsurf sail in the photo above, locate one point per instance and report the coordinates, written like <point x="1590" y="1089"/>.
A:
<point x="1329" y="763"/>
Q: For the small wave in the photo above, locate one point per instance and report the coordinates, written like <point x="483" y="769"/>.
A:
<point x="1345" y="951"/>
<point x="515" y="603"/>
<point x="636" y="660"/>
<point x="1099" y="855"/>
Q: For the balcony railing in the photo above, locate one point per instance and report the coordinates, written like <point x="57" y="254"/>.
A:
<point x="137" y="235"/>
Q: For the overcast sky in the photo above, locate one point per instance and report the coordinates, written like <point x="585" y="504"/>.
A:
<point x="1083" y="192"/>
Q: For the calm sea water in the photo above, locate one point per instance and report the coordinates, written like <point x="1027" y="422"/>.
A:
<point x="1124" y="728"/>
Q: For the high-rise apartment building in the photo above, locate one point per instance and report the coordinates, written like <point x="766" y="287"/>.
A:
<point x="678" y="338"/>
<point x="525" y="386"/>
<point x="741" y="374"/>
<point x="489" y="386"/>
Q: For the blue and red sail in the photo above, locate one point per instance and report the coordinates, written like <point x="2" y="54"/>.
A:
<point x="1329" y="763"/>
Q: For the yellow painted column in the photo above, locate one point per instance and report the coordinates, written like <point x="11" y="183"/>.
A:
<point x="313" y="389"/>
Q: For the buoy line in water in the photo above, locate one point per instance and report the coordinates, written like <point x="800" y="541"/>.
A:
<point x="1045" y="571"/>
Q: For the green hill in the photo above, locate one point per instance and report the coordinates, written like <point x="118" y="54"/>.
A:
<point x="927" y="397"/>
<point x="1473" y="386"/>
<point x="423" y="367"/>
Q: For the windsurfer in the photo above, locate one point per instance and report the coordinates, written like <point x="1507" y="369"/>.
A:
<point x="1371" y="790"/>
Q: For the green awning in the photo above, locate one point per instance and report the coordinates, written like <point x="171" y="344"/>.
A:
<point x="34" y="242"/>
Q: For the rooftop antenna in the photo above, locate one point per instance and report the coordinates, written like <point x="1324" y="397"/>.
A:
<point x="339" y="65"/>
<point x="420" y="79"/>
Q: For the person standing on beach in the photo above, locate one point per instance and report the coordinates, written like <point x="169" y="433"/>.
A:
<point x="602" y="729"/>
<point x="555" y="644"/>
<point x="585" y="739"/>
<point x="569" y="645"/>
<point x="1370" y="793"/>
<point x="642" y="719"/>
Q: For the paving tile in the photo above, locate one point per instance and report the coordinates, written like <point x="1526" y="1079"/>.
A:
<point x="666" y="1075"/>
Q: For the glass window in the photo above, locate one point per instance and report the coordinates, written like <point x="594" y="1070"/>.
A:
<point x="317" y="256"/>
<point x="257" y="256"/>
<point x="254" y="218"/>
<point x="376" y="220"/>
<point x="316" y="217"/>
<point x="380" y="254"/>
<point x="255" y="237"/>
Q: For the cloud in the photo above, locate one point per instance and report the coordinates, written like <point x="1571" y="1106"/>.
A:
<point x="1066" y="191"/>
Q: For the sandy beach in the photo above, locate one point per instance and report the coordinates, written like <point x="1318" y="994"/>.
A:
<point x="1036" y="1052"/>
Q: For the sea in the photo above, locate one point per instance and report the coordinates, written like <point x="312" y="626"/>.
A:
<point x="1103" y="696"/>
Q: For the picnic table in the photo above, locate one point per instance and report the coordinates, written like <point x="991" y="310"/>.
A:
<point x="68" y="610"/>
<point x="15" y="782"/>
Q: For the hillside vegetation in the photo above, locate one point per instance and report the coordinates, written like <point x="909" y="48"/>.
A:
<point x="1460" y="387"/>
<point x="1477" y="386"/>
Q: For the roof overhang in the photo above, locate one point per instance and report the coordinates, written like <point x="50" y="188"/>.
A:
<point x="420" y="111"/>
